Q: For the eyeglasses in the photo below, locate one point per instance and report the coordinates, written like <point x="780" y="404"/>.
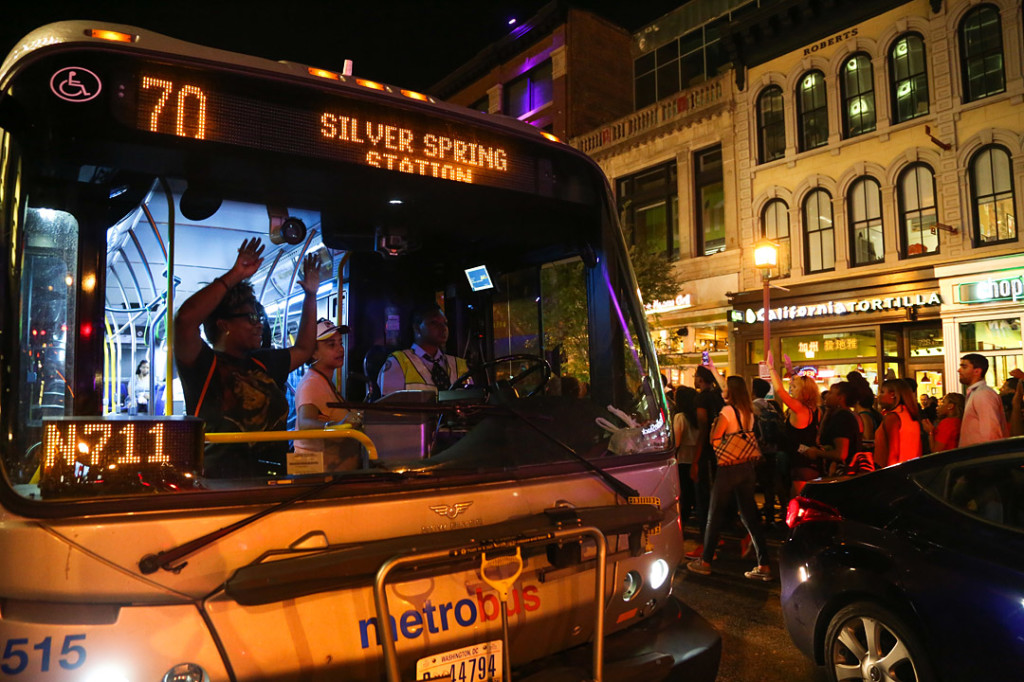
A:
<point x="252" y="318"/>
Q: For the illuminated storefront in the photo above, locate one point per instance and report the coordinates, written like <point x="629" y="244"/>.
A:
<point x="982" y="313"/>
<point x="872" y="325"/>
<point x="682" y="332"/>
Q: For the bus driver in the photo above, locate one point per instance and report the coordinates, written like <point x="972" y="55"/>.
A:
<point x="425" y="366"/>
<point x="237" y="385"/>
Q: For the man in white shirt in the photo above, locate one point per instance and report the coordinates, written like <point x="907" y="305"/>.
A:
<point x="425" y="366"/>
<point x="983" y="418"/>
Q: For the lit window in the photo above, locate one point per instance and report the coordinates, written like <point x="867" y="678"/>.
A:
<point x="918" y="212"/>
<point x="812" y="111"/>
<point x="775" y="227"/>
<point x="648" y="202"/>
<point x="683" y="63"/>
<point x="992" y="197"/>
<point x="771" y="125"/>
<point x="710" y="201"/>
<point x="819" y="232"/>
<point x="866" y="241"/>
<point x="909" y="78"/>
<point x="981" y="53"/>
<point x="858" y="96"/>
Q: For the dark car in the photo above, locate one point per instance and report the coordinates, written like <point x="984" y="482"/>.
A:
<point x="913" y="572"/>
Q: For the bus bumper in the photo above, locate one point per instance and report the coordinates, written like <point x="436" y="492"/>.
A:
<point x="674" y="644"/>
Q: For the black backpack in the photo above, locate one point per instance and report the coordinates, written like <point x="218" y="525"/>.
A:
<point x="769" y="427"/>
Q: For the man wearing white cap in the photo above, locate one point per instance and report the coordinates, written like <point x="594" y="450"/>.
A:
<point x="314" y="394"/>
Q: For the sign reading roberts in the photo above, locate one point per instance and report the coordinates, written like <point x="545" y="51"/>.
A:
<point x="833" y="307"/>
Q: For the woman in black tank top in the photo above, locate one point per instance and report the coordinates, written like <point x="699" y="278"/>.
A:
<point x="802" y="421"/>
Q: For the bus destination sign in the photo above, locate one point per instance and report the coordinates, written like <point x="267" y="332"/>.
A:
<point x="357" y="131"/>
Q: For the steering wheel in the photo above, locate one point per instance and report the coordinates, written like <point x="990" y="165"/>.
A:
<point x="535" y="364"/>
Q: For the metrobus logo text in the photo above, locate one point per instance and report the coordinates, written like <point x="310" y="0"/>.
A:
<point x="405" y="150"/>
<point x="441" y="618"/>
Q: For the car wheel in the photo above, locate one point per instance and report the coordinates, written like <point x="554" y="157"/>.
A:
<point x="867" y="642"/>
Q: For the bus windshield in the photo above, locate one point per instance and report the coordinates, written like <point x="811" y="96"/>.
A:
<point x="156" y="207"/>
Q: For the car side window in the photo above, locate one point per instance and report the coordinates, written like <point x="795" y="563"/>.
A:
<point x="992" y="490"/>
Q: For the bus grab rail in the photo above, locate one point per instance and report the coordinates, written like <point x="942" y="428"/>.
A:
<point x="334" y="432"/>
<point x="380" y="597"/>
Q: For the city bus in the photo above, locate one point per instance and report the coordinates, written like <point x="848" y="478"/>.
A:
<point x="498" y="528"/>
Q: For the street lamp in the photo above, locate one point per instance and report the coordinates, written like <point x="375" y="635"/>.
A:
<point x="766" y="257"/>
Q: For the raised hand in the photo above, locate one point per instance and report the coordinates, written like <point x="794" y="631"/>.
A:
<point x="250" y="258"/>
<point x="310" y="279"/>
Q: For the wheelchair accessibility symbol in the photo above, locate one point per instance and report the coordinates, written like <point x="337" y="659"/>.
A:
<point x="75" y="84"/>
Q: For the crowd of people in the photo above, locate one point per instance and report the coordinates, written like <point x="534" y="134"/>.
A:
<point x="803" y="434"/>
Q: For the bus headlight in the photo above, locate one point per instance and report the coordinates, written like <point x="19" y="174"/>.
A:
<point x="631" y="585"/>
<point x="186" y="672"/>
<point x="658" y="573"/>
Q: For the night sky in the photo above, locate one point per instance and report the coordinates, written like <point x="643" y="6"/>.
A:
<point x="406" y="43"/>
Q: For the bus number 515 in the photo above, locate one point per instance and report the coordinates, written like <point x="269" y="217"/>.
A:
<point x="16" y="654"/>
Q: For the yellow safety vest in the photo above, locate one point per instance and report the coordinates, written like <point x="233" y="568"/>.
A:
<point x="415" y="380"/>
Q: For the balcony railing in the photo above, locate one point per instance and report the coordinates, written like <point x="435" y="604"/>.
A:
<point x="682" y="105"/>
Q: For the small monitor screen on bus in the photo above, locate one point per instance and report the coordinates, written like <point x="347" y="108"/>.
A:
<point x="479" y="278"/>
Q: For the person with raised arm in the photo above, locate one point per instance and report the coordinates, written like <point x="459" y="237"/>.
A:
<point x="237" y="385"/>
<point x="803" y="401"/>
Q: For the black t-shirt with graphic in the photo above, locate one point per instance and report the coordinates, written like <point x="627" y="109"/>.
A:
<point x="244" y="394"/>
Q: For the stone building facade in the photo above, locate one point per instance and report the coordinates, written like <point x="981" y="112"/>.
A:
<point x="881" y="148"/>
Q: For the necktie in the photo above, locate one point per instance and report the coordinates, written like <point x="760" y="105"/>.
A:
<point x="439" y="373"/>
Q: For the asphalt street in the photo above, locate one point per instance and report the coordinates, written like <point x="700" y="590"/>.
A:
<point x="748" y="615"/>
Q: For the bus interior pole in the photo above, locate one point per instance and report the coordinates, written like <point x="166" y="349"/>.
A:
<point x="169" y="311"/>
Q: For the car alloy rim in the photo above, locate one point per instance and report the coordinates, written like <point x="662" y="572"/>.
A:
<point x="868" y="647"/>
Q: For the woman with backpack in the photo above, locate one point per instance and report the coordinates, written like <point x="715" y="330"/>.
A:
<point x="735" y="420"/>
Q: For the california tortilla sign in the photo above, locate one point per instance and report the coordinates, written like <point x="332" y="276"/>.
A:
<point x="832" y="308"/>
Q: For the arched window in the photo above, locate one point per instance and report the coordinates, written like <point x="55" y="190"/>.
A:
<point x="992" y="196"/>
<point x="812" y="110"/>
<point x="819" y="232"/>
<point x="909" y="74"/>
<point x="918" y="212"/>
<point x="858" y="89"/>
<point x="775" y="226"/>
<point x="771" y="126"/>
<point x="981" y="53"/>
<point x="867" y="244"/>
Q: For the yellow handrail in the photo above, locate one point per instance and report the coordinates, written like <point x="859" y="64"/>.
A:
<point x="328" y="433"/>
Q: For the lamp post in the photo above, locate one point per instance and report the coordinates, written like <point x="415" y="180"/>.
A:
<point x="766" y="257"/>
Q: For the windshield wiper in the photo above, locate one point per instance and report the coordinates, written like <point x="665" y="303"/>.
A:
<point x="167" y="560"/>
<point x="615" y="484"/>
